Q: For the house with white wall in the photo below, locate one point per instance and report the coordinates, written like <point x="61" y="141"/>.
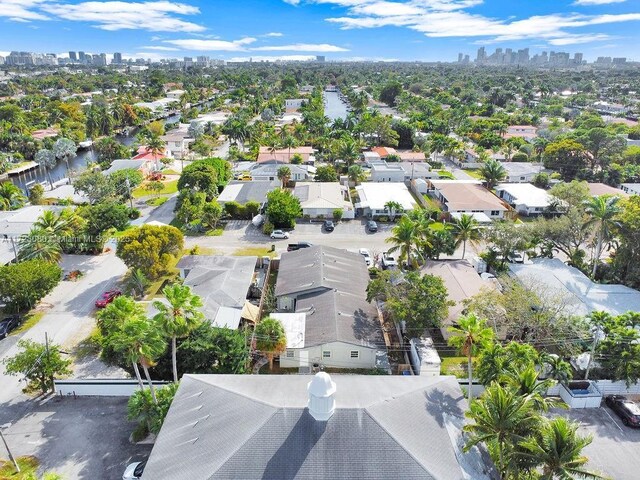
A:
<point x="467" y="196"/>
<point x="631" y="188"/>
<point x="527" y="199"/>
<point x="382" y="171"/>
<point x="332" y="323"/>
<point x="293" y="103"/>
<point x="374" y="197"/>
<point x="521" y="172"/>
<point x="321" y="199"/>
<point x="177" y="143"/>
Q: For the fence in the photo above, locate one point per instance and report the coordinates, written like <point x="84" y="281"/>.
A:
<point x="99" y="387"/>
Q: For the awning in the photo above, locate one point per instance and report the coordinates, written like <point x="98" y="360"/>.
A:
<point x="250" y="312"/>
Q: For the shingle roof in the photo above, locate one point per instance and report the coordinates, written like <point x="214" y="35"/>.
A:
<point x="467" y="196"/>
<point x="243" y="192"/>
<point x="321" y="195"/>
<point x="258" y="427"/>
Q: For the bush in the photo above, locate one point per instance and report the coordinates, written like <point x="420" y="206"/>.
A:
<point x="267" y="228"/>
<point x="233" y="209"/>
<point x="133" y="213"/>
<point x="147" y="413"/>
<point x="337" y="214"/>
<point x="150" y="248"/>
<point x="23" y="284"/>
<point x="251" y="209"/>
<point x="35" y="194"/>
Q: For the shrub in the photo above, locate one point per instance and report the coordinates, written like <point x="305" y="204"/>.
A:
<point x="23" y="284"/>
<point x="251" y="209"/>
<point x="232" y="209"/>
<point x="35" y="194"/>
<point x="133" y="213"/>
<point x="267" y="228"/>
<point x="337" y="214"/>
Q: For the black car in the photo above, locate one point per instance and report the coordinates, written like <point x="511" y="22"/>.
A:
<point x="7" y="325"/>
<point x="292" y="247"/>
<point x="627" y="410"/>
<point x="328" y="225"/>
<point x="372" y="226"/>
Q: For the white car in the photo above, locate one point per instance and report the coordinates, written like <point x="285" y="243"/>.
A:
<point x="516" y="257"/>
<point x="388" y="261"/>
<point x="279" y="234"/>
<point x="367" y="256"/>
<point x="134" y="471"/>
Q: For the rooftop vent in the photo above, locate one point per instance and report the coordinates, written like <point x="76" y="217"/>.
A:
<point x="321" y="397"/>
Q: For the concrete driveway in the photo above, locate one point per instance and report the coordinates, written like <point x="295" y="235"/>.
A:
<point x="614" y="450"/>
<point x="69" y="308"/>
<point x="81" y="438"/>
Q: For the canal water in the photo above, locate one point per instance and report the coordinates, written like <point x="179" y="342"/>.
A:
<point x="334" y="107"/>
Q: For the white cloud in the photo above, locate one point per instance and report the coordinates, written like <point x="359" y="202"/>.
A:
<point x="212" y="45"/>
<point x="21" y="10"/>
<point x="273" y="34"/>
<point x="290" y="58"/>
<point x="160" y="48"/>
<point x="117" y="15"/>
<point x="597" y="2"/>
<point x="302" y="47"/>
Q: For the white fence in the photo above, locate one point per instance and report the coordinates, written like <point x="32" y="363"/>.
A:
<point x="607" y="387"/>
<point x="99" y="387"/>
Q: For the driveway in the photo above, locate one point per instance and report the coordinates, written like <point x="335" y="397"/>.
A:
<point x="78" y="438"/>
<point x="614" y="449"/>
<point x="69" y="312"/>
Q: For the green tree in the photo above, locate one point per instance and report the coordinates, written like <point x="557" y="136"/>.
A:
<point x="283" y="208"/>
<point x="38" y="244"/>
<point x="46" y="159"/>
<point x="466" y="229"/>
<point x="393" y="208"/>
<point x="565" y="155"/>
<point x="326" y="173"/>
<point x="150" y="248"/>
<point x="11" y="197"/>
<point x="405" y="238"/>
<point x="573" y="193"/>
<point x="200" y="177"/>
<point x="146" y="412"/>
<point x="390" y="92"/>
<point x="270" y="338"/>
<point x="109" y="149"/>
<point x="94" y="185"/>
<point x="24" y="283"/>
<point x="284" y="175"/>
<point x="469" y="335"/>
<point x="136" y="282"/>
<point x="492" y="172"/>
<point x="38" y="365"/>
<point x="602" y="212"/>
<point x="178" y="315"/>
<point x="619" y="352"/>
<point x="35" y="194"/>
<point x="356" y="174"/>
<point x="211" y="214"/>
<point x="65" y="149"/>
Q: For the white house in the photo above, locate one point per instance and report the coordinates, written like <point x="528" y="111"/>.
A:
<point x="321" y="199"/>
<point x="332" y="323"/>
<point x="382" y="171"/>
<point x="374" y="196"/>
<point x="177" y="143"/>
<point x="293" y="103"/>
<point x="467" y="196"/>
<point x="521" y="172"/>
<point x="524" y="197"/>
<point x="631" y="188"/>
<point x="269" y="171"/>
<point x="175" y="94"/>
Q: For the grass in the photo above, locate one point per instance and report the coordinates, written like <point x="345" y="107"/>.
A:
<point x="454" y="366"/>
<point x="29" y="321"/>
<point x="170" y="187"/>
<point x="168" y="171"/>
<point x="431" y="202"/>
<point x="254" y="251"/>
<point x="170" y="275"/>
<point x="28" y="468"/>
<point x="445" y="174"/>
<point x="473" y="172"/>
<point x="157" y="201"/>
<point x="123" y="232"/>
<point x="216" y="232"/>
<point x="198" y="250"/>
<point x="89" y="347"/>
<point x="437" y="226"/>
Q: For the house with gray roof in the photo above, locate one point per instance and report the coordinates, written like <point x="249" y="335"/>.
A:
<point x="243" y="192"/>
<point x="224" y="284"/>
<point x="294" y="427"/>
<point x="521" y="172"/>
<point x="339" y="328"/>
<point x="269" y="171"/>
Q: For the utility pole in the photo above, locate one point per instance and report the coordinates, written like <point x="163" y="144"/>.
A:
<point x="128" y="184"/>
<point x="598" y="335"/>
<point x="13" y="460"/>
<point x="46" y="347"/>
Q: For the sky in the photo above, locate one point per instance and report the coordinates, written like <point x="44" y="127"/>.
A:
<point x="383" y="30"/>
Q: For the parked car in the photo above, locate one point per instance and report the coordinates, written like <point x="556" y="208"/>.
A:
<point x="367" y="256"/>
<point x="372" y="226"/>
<point x="107" y="297"/>
<point x="388" y="261"/>
<point x="134" y="471"/>
<point x="245" y="177"/>
<point x="292" y="247"/>
<point x="627" y="410"/>
<point x="279" y="234"/>
<point x="516" y="257"/>
<point x="8" y="324"/>
<point x="328" y="225"/>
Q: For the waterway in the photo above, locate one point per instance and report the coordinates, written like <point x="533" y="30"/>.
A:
<point x="334" y="107"/>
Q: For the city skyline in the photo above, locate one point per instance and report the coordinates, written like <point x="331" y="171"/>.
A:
<point x="423" y="30"/>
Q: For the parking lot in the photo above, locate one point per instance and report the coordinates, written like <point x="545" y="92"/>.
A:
<point x="81" y="438"/>
<point x="614" y="450"/>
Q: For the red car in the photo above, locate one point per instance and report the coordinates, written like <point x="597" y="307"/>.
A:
<point x="107" y="297"/>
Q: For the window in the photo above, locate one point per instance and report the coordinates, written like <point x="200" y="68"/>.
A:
<point x="289" y="353"/>
<point x="355" y="354"/>
<point x="495" y="213"/>
<point x="326" y="354"/>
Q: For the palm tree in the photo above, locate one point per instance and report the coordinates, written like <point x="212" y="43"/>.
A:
<point x="469" y="336"/>
<point x="155" y="146"/>
<point x="356" y="174"/>
<point x="492" y="173"/>
<point x="501" y="419"/>
<point x="58" y="224"/>
<point x="348" y="150"/>
<point x="602" y="212"/>
<point x="555" y="368"/>
<point x="289" y="142"/>
<point x="11" y="197"/>
<point x="179" y="317"/>
<point x="64" y="149"/>
<point x="404" y="237"/>
<point x="438" y="143"/>
<point x="46" y="159"/>
<point x="141" y="341"/>
<point x="526" y="382"/>
<point x="39" y="244"/>
<point x="466" y="229"/>
<point x="137" y="282"/>
<point x="557" y="448"/>
<point x="393" y="208"/>
<point x="270" y="338"/>
<point x="284" y="174"/>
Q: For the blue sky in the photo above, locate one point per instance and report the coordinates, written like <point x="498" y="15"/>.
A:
<point x="340" y="29"/>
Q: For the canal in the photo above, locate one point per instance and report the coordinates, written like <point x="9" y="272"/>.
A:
<point x="334" y="106"/>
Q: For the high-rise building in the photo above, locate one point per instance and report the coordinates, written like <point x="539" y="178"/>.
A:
<point x="73" y="57"/>
<point x="82" y="57"/>
<point x="320" y="58"/>
<point x="482" y="55"/>
<point x="577" y="59"/>
<point x="117" y="58"/>
<point x="619" y="60"/>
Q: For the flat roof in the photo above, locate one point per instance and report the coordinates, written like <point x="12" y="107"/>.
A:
<point x="526" y="194"/>
<point x="597" y="189"/>
<point x="375" y="195"/>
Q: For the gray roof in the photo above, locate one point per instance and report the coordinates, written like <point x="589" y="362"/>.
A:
<point x="15" y="223"/>
<point x="322" y="267"/>
<point x="522" y="168"/>
<point x="219" y="280"/>
<point x="271" y="169"/>
<point x="258" y="427"/>
<point x="243" y="192"/>
<point x="118" y="165"/>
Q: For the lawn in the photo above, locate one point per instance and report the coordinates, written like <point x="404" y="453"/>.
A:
<point x="433" y="205"/>
<point x="29" y="321"/>
<point x="170" y="187"/>
<point x="437" y="226"/>
<point x="473" y="172"/>
<point x="445" y="174"/>
<point x="254" y="251"/>
<point x="28" y="468"/>
<point x="216" y="232"/>
<point x="454" y="366"/>
<point x="156" y="201"/>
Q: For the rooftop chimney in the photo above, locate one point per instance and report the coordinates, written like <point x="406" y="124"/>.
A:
<point x="321" y="402"/>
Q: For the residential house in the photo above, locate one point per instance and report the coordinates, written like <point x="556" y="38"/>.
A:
<point x="527" y="199"/>
<point x="175" y="94"/>
<point x="284" y="155"/>
<point x="293" y="103"/>
<point x="521" y="172"/>
<point x="400" y="172"/>
<point x="375" y="196"/>
<point x="269" y="171"/>
<point x="275" y="427"/>
<point x="528" y="132"/>
<point x="631" y="188"/>
<point x="371" y="157"/>
<point x="340" y="329"/>
<point x="470" y="159"/>
<point x="45" y="133"/>
<point x="597" y="189"/>
<point x="144" y="166"/>
<point x="177" y="143"/>
<point x="224" y="284"/>
<point x="411" y="156"/>
<point x="384" y="152"/>
<point x="243" y="192"/>
<point x="145" y="154"/>
<point x="467" y="196"/>
<point x="321" y="199"/>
